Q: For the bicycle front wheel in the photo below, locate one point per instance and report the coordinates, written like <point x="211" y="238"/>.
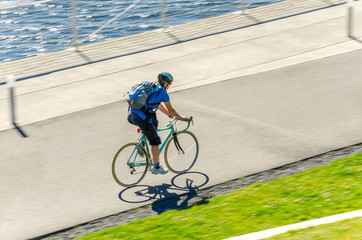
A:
<point x="181" y="152"/>
<point x="130" y="165"/>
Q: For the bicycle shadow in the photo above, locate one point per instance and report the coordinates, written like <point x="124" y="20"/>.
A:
<point x="180" y="194"/>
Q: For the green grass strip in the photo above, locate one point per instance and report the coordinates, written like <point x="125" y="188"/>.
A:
<point x="342" y="230"/>
<point x="320" y="192"/>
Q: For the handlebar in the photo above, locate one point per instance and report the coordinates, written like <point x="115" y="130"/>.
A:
<point x="175" y="119"/>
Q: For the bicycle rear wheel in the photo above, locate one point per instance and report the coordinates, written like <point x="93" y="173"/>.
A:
<point x="181" y="152"/>
<point x="130" y="165"/>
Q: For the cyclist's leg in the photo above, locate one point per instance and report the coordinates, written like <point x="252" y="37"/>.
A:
<point x="155" y="149"/>
<point x="150" y="131"/>
<point x="154" y="139"/>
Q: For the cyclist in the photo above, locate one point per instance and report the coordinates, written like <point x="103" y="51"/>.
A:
<point x="146" y="119"/>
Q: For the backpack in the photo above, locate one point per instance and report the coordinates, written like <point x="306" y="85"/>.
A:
<point x="139" y="94"/>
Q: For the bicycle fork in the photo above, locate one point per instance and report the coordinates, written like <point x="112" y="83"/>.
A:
<point x="177" y="144"/>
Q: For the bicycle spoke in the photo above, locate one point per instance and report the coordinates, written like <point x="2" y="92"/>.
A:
<point x="181" y="155"/>
<point x="191" y="148"/>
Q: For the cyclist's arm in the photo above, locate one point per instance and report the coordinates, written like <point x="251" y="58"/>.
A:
<point x="164" y="110"/>
<point x="172" y="112"/>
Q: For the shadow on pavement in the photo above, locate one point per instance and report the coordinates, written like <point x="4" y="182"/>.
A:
<point x="355" y="39"/>
<point x="180" y="193"/>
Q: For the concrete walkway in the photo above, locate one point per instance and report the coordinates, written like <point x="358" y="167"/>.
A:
<point x="262" y="97"/>
<point x="262" y="47"/>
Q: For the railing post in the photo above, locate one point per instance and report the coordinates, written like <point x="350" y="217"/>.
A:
<point x="349" y="17"/>
<point x="163" y="17"/>
<point x="242" y="6"/>
<point x="11" y="84"/>
<point x="74" y="24"/>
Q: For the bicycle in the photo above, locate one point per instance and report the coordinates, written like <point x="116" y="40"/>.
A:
<point x="131" y="162"/>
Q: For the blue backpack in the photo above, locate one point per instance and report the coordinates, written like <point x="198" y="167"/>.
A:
<point x="139" y="94"/>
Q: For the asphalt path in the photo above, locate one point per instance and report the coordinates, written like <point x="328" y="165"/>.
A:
<point x="61" y="176"/>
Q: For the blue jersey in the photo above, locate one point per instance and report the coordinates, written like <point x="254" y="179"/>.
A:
<point x="153" y="101"/>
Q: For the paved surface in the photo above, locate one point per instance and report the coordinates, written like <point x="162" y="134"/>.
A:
<point x="193" y="194"/>
<point x="262" y="97"/>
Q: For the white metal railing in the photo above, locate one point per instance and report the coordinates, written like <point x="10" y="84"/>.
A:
<point x="71" y="24"/>
<point x="162" y="13"/>
<point x="81" y="27"/>
<point x="110" y="21"/>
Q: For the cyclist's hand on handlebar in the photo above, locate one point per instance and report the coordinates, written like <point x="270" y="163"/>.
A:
<point x="183" y="118"/>
<point x="187" y="119"/>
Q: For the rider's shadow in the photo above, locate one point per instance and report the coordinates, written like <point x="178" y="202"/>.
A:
<point x="175" y="201"/>
<point x="162" y="196"/>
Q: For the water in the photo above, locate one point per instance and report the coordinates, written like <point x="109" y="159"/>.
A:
<point x="42" y="27"/>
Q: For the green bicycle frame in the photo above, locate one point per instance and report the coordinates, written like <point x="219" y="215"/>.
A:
<point x="143" y="139"/>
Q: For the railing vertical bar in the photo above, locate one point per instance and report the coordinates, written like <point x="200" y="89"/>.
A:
<point x="163" y="17"/>
<point x="349" y="17"/>
<point x="11" y="84"/>
<point x="75" y="24"/>
<point x="242" y="6"/>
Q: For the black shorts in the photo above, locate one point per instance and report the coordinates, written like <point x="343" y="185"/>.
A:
<point x="148" y="129"/>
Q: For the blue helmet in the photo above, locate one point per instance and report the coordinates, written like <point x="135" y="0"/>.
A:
<point x="165" y="77"/>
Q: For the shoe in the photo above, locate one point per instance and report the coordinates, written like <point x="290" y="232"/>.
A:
<point x="159" y="170"/>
